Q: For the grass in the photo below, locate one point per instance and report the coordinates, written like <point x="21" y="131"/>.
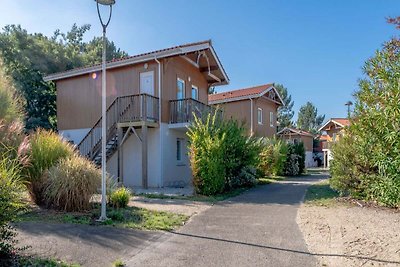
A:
<point x="321" y="194"/>
<point x="118" y="263"/>
<point x="201" y="198"/>
<point x="38" y="262"/>
<point x="130" y="217"/>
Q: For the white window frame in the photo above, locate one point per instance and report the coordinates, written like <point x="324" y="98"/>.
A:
<point x="271" y="119"/>
<point x="260" y="116"/>
<point x="179" y="153"/>
<point x="195" y="88"/>
<point x="177" y="88"/>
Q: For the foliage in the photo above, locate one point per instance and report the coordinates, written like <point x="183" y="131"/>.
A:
<point x="285" y="112"/>
<point x="246" y="177"/>
<point x="308" y="118"/>
<point x="28" y="57"/>
<point x="300" y="151"/>
<point x="46" y="149"/>
<point x="11" y="203"/>
<point x="292" y="165"/>
<point x="118" y="263"/>
<point x="39" y="262"/>
<point x="321" y="194"/>
<point x="71" y="184"/>
<point x="367" y="160"/>
<point x="219" y="150"/>
<point x="119" y="198"/>
<point x="272" y="157"/>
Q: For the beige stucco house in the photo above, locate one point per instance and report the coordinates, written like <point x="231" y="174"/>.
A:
<point x="255" y="106"/>
<point x="331" y="131"/>
<point x="151" y="99"/>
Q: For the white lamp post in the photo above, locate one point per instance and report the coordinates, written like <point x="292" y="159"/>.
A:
<point x="108" y="3"/>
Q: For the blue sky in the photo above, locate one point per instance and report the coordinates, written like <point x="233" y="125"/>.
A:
<point x="315" y="48"/>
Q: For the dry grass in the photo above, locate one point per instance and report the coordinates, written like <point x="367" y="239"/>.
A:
<point x="71" y="184"/>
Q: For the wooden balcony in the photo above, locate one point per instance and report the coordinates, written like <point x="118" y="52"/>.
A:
<point x="183" y="111"/>
<point x="327" y="145"/>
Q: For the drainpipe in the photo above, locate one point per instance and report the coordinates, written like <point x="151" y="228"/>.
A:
<point x="251" y="116"/>
<point x="159" y="118"/>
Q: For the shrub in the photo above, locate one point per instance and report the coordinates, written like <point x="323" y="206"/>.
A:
<point x="272" y="157"/>
<point x="46" y="149"/>
<point x="11" y="105"/>
<point x="11" y="203"/>
<point x="366" y="161"/>
<point x="219" y="150"/>
<point x="300" y="151"/>
<point x="247" y="177"/>
<point x="292" y="161"/>
<point x="71" y="184"/>
<point x="119" y="198"/>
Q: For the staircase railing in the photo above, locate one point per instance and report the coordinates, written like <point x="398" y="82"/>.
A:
<point x="131" y="108"/>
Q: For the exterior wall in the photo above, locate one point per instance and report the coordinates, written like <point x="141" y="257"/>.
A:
<point x="239" y="110"/>
<point x="132" y="160"/>
<point x="174" y="68"/>
<point x="264" y="129"/>
<point x="175" y="174"/>
<point x="79" y="98"/>
<point x="74" y="135"/>
<point x="307" y="140"/>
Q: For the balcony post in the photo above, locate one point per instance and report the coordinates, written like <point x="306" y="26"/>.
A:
<point x="144" y="156"/>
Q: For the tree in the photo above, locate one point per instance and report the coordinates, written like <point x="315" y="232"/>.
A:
<point x="308" y="118"/>
<point x="285" y="112"/>
<point x="367" y="160"/>
<point x="28" y="57"/>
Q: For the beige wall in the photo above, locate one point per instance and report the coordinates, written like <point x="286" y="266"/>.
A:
<point x="79" y="98"/>
<point x="307" y="140"/>
<point x="241" y="111"/>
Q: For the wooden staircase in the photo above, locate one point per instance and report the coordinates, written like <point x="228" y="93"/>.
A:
<point x="124" y="111"/>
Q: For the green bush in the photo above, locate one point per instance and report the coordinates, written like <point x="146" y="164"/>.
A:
<point x="300" y="151"/>
<point x="11" y="203"/>
<point x="292" y="161"/>
<point x="46" y="149"/>
<point x="219" y="151"/>
<point x="366" y="161"/>
<point x="272" y="157"/>
<point x="71" y="183"/>
<point x="119" y="198"/>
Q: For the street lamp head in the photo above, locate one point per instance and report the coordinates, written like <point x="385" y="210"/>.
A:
<point x="105" y="2"/>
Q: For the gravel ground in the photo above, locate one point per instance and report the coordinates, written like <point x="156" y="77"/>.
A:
<point x="346" y="235"/>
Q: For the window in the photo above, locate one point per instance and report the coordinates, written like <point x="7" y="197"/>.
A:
<point x="195" y="92"/>
<point x="271" y="119"/>
<point x="179" y="152"/>
<point x="260" y="116"/>
<point x="180" y="86"/>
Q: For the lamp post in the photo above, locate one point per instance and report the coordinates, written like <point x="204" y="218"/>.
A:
<point x="108" y="3"/>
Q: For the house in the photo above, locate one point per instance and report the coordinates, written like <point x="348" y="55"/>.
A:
<point x="294" y="136"/>
<point x="255" y="106"/>
<point x="332" y="130"/>
<point x="151" y="99"/>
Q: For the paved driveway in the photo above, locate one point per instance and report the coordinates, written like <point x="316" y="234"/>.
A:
<point x="257" y="228"/>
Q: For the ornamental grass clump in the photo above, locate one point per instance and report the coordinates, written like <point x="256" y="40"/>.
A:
<point x="46" y="149"/>
<point x="71" y="183"/>
<point x="119" y="198"/>
<point x="11" y="203"/>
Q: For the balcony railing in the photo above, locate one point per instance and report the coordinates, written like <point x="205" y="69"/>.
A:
<point x="327" y="145"/>
<point x="131" y="108"/>
<point x="184" y="110"/>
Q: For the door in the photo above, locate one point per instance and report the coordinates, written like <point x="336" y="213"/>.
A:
<point x="147" y="87"/>
<point x="180" y="95"/>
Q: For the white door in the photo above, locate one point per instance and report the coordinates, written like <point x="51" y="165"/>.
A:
<point x="147" y="87"/>
<point x="147" y="83"/>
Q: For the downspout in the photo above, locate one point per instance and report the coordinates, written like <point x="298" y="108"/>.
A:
<point x="159" y="118"/>
<point x="251" y="116"/>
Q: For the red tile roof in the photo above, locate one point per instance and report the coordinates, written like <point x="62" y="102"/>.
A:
<point x="342" y="121"/>
<point x="251" y="91"/>
<point x="295" y="131"/>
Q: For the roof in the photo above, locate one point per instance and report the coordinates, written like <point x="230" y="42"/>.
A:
<point x="342" y="122"/>
<point x="245" y="93"/>
<point x="158" y="54"/>
<point x="285" y="131"/>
